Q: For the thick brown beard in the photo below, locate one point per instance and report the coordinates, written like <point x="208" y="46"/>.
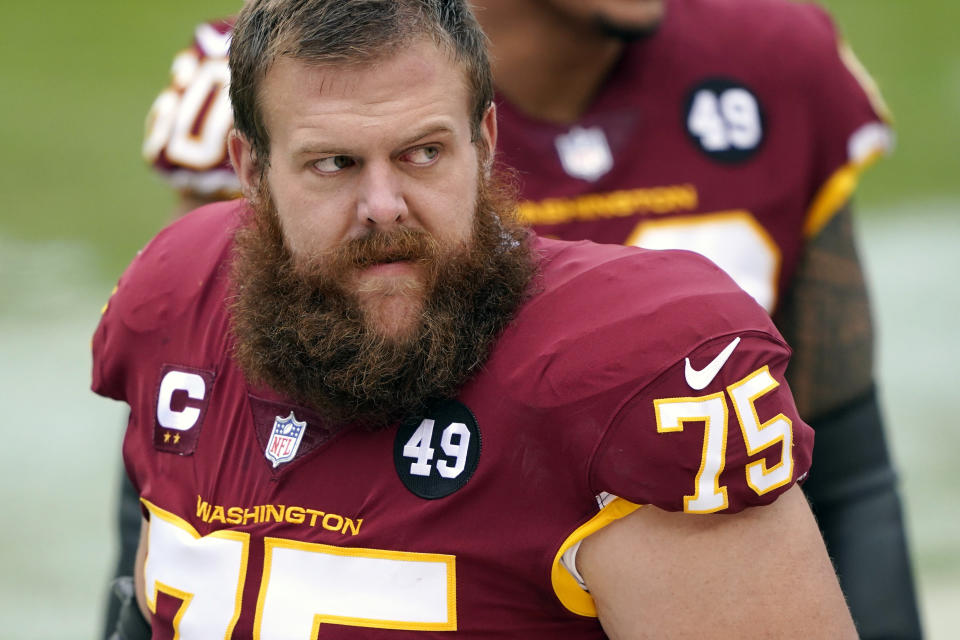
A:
<point x="297" y="331"/>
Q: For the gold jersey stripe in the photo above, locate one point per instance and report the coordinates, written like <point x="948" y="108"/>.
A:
<point x="866" y="81"/>
<point x="835" y="193"/>
<point x="568" y="591"/>
<point x="612" y="204"/>
<point x="106" y="305"/>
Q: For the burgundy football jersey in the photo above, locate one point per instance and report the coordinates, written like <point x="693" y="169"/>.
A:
<point x="736" y="130"/>
<point x="187" y="126"/>
<point x="631" y="377"/>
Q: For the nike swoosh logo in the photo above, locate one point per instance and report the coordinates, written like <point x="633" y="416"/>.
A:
<point x="700" y="379"/>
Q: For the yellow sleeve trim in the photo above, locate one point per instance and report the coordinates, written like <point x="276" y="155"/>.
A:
<point x="865" y="80"/>
<point x="570" y="594"/>
<point x="835" y="192"/>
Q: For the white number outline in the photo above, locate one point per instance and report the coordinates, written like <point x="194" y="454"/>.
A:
<point x="690" y="230"/>
<point x="198" y="99"/>
<point x="204" y="107"/>
<point x="761" y="435"/>
<point x="711" y="410"/>
<point x="271" y="544"/>
<point x="187" y="597"/>
<point x="709" y="496"/>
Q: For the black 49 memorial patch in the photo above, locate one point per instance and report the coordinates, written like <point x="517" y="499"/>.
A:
<point x="725" y="120"/>
<point x="436" y="454"/>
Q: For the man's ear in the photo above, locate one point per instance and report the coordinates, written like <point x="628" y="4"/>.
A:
<point x="488" y="131"/>
<point x="245" y="163"/>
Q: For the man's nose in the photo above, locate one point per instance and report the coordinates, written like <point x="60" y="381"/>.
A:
<point x="381" y="203"/>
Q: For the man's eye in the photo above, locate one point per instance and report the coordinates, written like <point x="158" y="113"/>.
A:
<point x="333" y="164"/>
<point x="423" y="155"/>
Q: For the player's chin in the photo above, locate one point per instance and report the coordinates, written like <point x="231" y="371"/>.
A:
<point x="631" y="21"/>
<point x="391" y="299"/>
<point x="395" y="317"/>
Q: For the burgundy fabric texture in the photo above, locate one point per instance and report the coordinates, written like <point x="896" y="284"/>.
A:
<point x="565" y="408"/>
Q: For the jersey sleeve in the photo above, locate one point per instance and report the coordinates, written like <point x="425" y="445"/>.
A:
<point x="849" y="118"/>
<point x="716" y="432"/>
<point x="115" y="337"/>
<point x="164" y="281"/>
<point x="186" y="128"/>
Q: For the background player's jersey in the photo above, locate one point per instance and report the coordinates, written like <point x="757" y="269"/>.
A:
<point x="186" y="129"/>
<point x="645" y="375"/>
<point x="737" y="131"/>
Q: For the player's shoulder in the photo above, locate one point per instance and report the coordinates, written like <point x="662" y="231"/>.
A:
<point x="191" y="244"/>
<point x="620" y="346"/>
<point x="607" y="316"/>
<point x="184" y="259"/>
<point x="773" y="26"/>
<point x="169" y="303"/>
<point x="624" y="282"/>
<point x="757" y="17"/>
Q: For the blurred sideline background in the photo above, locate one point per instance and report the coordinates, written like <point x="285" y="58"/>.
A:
<point x="77" y="201"/>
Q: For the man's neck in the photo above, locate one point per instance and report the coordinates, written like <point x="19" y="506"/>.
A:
<point x="546" y="66"/>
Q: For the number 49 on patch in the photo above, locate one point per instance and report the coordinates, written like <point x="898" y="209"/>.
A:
<point x="437" y="454"/>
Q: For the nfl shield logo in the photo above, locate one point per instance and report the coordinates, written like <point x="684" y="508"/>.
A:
<point x="284" y="439"/>
<point x="584" y="153"/>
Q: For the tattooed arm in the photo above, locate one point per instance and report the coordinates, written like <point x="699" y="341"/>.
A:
<point x="826" y="319"/>
<point x="852" y="486"/>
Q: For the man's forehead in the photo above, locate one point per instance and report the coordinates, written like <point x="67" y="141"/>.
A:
<point x="417" y="62"/>
<point x="415" y="83"/>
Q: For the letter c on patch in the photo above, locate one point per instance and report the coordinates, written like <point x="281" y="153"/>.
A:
<point x="196" y="389"/>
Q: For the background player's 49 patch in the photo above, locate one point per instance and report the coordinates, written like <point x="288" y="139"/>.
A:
<point x="437" y="453"/>
<point x="724" y="119"/>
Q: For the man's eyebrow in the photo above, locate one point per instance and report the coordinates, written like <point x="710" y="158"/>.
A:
<point x="314" y="147"/>
<point x="311" y="147"/>
<point x="432" y="130"/>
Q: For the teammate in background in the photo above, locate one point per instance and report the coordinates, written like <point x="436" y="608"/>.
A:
<point x="332" y="380"/>
<point x="188" y="123"/>
<point x="736" y="129"/>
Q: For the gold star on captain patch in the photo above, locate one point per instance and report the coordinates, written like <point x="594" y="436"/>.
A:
<point x="166" y="437"/>
<point x="176" y="438"/>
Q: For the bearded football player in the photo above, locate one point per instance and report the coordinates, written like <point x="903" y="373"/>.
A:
<point x="365" y="403"/>
<point x="589" y="94"/>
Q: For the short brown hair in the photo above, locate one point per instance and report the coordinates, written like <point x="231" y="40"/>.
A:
<point x="347" y="32"/>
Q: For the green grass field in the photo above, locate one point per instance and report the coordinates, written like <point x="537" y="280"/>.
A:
<point x="76" y="202"/>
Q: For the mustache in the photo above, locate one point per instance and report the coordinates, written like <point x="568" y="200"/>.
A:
<point x="376" y="247"/>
